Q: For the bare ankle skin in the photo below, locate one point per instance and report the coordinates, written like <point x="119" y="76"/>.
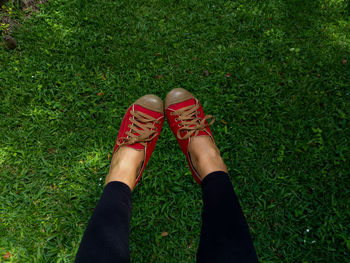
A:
<point x="205" y="156"/>
<point x="125" y="165"/>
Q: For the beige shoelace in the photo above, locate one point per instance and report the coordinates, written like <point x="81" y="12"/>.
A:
<point x="190" y="121"/>
<point x="142" y="129"/>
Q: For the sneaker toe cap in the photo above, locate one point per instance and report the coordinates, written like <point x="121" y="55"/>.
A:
<point x="176" y="96"/>
<point x="151" y="102"/>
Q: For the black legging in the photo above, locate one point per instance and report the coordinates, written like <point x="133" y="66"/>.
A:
<point x="224" y="236"/>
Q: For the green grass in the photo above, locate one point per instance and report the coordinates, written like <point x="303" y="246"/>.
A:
<point x="283" y="123"/>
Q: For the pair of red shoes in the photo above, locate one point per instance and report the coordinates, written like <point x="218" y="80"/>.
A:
<point x="144" y="119"/>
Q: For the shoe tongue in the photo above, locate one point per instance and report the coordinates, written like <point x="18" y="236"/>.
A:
<point x="136" y="146"/>
<point x="149" y="112"/>
<point x="201" y="133"/>
<point x="154" y="114"/>
<point x="183" y="104"/>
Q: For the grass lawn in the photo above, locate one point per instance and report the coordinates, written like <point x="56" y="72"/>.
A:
<point x="276" y="75"/>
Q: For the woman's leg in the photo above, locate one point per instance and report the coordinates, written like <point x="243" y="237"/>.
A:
<point x="106" y="238"/>
<point x="225" y="234"/>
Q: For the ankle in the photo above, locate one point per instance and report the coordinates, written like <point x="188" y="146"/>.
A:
<point x="125" y="166"/>
<point x="209" y="162"/>
<point x="123" y="174"/>
<point x="205" y="156"/>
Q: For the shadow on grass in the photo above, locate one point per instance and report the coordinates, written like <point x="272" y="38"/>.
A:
<point x="277" y="69"/>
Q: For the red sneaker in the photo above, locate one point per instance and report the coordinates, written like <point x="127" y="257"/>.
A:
<point x="141" y="127"/>
<point x="186" y="119"/>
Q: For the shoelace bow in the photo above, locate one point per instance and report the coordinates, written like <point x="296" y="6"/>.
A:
<point x="142" y="129"/>
<point x="190" y="121"/>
